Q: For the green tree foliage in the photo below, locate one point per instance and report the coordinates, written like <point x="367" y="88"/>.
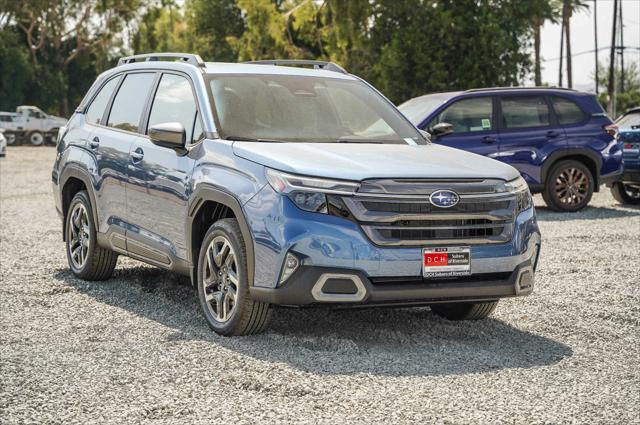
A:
<point x="65" y="40"/>
<point x="630" y="97"/>
<point x="405" y="47"/>
<point x="16" y="73"/>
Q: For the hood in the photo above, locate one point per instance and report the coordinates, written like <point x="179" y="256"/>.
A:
<point x="353" y="161"/>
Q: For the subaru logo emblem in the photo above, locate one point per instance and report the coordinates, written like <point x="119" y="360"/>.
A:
<point x="444" y="198"/>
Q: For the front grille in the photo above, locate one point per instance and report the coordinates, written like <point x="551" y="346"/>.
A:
<point x="426" y="207"/>
<point x="409" y="219"/>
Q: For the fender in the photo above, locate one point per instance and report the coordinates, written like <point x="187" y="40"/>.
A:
<point x="73" y="170"/>
<point x="563" y="153"/>
<point x="206" y="192"/>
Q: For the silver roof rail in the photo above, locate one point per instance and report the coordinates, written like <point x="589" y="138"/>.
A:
<point x="329" y="66"/>
<point x="189" y="58"/>
<point x="519" y="88"/>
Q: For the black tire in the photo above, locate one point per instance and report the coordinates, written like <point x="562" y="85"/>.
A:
<point x="556" y="181"/>
<point x="464" y="311"/>
<point x="621" y="194"/>
<point x="247" y="316"/>
<point x="100" y="262"/>
<point x="36" y="138"/>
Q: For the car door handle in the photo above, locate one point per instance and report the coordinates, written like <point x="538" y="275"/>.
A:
<point x="137" y="155"/>
<point x="94" y="143"/>
<point x="551" y="134"/>
<point x="488" y="139"/>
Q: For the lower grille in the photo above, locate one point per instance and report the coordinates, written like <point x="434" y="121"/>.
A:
<point x="408" y="280"/>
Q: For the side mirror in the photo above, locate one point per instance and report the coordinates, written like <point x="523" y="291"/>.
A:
<point x="169" y="135"/>
<point x="426" y="135"/>
<point x="442" y="129"/>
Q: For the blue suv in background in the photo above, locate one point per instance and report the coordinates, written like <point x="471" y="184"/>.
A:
<point x="561" y="140"/>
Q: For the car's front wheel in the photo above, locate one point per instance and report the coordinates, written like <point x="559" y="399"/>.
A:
<point x="223" y="286"/>
<point x="86" y="259"/>
<point x="569" y="186"/>
<point x="626" y="194"/>
<point x="464" y="311"/>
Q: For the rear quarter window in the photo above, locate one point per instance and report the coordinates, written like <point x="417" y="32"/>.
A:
<point x="96" y="109"/>
<point x="567" y="111"/>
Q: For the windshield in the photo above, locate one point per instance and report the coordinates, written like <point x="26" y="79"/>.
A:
<point x="417" y="109"/>
<point x="291" y="108"/>
<point x="629" y="121"/>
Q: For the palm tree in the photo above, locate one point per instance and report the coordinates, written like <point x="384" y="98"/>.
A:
<point x="569" y="7"/>
<point x="548" y="11"/>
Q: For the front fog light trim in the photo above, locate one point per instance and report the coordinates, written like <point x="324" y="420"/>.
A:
<point x="291" y="264"/>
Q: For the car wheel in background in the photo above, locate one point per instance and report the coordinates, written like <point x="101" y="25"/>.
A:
<point x="223" y="287"/>
<point x="569" y="186"/>
<point x="86" y="259"/>
<point x="464" y="311"/>
<point x="625" y="194"/>
<point x="36" y="138"/>
<point x="11" y="138"/>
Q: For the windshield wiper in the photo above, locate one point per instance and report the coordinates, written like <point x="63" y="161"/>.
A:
<point x="250" y="139"/>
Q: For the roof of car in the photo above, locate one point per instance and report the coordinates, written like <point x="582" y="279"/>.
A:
<point x="191" y="62"/>
<point x="250" y="68"/>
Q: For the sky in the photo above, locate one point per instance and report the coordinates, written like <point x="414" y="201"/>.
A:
<point x="582" y="40"/>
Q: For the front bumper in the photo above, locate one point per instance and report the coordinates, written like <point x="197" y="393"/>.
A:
<point x="311" y="286"/>
<point x="329" y="244"/>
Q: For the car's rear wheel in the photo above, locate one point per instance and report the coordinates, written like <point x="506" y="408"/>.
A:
<point x="223" y="286"/>
<point x="86" y="259"/>
<point x="569" y="186"/>
<point x="626" y="194"/>
<point x="36" y="138"/>
<point x="464" y="311"/>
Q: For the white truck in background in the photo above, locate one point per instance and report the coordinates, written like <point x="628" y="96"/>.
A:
<point x="31" y="124"/>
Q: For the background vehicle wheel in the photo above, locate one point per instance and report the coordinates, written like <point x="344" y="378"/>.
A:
<point x="223" y="288"/>
<point x="464" y="311"/>
<point x="36" y="138"/>
<point x="11" y="138"/>
<point x="625" y="194"/>
<point x="569" y="186"/>
<point x="86" y="259"/>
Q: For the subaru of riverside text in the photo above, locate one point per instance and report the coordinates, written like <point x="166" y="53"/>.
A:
<point x="289" y="183"/>
<point x="561" y="140"/>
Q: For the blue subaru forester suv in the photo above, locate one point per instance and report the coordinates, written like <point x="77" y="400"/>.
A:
<point x="283" y="185"/>
<point x="560" y="140"/>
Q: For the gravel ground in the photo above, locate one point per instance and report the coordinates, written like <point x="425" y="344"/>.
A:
<point x="135" y="348"/>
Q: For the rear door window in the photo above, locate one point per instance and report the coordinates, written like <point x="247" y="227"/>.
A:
<point x="175" y="102"/>
<point x="467" y="115"/>
<point x="525" y="111"/>
<point x="129" y="102"/>
<point x="567" y="111"/>
<point x="96" y="109"/>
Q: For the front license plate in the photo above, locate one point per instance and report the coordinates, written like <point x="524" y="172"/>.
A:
<point x="446" y="261"/>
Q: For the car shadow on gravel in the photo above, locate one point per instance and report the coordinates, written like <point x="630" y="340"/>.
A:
<point x="589" y="213"/>
<point x="388" y="341"/>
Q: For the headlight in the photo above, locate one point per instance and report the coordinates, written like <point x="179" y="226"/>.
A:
<point x="309" y="193"/>
<point x="520" y="187"/>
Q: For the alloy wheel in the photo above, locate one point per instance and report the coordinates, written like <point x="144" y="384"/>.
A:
<point x="572" y="186"/>
<point x="220" y="279"/>
<point x="78" y="236"/>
